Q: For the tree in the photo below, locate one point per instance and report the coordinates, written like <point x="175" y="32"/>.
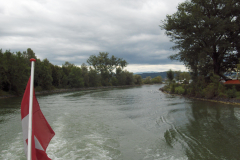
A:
<point x="94" y="78"/>
<point x="75" y="77"/>
<point x="157" y="79"/>
<point x="207" y="34"/>
<point x="85" y="74"/>
<point x="147" y="80"/>
<point x="177" y="75"/>
<point x="105" y="66"/>
<point x="137" y="79"/>
<point x="44" y="74"/>
<point x="170" y="75"/>
<point x="56" y="75"/>
<point x="185" y="76"/>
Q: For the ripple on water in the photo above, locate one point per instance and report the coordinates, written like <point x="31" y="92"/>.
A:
<point x="91" y="145"/>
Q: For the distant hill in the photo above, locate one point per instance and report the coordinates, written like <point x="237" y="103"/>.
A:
<point x="154" y="74"/>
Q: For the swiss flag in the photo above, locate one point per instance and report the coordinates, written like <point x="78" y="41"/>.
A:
<point x="42" y="133"/>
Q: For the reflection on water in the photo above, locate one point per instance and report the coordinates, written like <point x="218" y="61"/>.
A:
<point x="131" y="123"/>
<point x="212" y="131"/>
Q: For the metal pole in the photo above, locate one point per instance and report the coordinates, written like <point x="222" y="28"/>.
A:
<point x="30" y="111"/>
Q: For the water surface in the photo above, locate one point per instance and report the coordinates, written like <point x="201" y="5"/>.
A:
<point x="138" y="123"/>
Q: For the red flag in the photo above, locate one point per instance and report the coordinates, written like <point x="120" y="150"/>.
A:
<point x="42" y="132"/>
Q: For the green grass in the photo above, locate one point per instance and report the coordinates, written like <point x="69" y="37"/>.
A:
<point x="238" y="95"/>
<point x="179" y="90"/>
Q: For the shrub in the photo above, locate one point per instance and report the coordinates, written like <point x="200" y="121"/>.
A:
<point x="222" y="95"/>
<point x="172" y="88"/>
<point x="38" y="89"/>
<point x="210" y="91"/>
<point x="179" y="90"/>
<point x="232" y="93"/>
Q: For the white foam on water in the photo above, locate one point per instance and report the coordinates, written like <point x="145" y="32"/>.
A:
<point x="14" y="150"/>
<point x="159" y="154"/>
<point x="83" y="147"/>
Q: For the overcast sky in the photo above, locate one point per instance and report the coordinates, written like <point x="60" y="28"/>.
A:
<point x="72" y="30"/>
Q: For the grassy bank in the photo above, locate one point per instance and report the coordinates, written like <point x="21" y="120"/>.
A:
<point x="205" y="89"/>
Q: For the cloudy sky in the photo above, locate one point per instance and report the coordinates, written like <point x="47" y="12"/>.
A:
<point x="72" y="30"/>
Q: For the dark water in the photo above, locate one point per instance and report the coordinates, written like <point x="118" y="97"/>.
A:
<point x="127" y="124"/>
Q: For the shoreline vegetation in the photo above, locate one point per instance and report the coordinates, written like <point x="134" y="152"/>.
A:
<point x="206" y="37"/>
<point x="203" y="88"/>
<point x="232" y="101"/>
<point x="69" y="90"/>
<point x="102" y="71"/>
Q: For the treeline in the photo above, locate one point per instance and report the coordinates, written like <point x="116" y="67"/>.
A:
<point x="155" y="80"/>
<point x="103" y="71"/>
<point x="203" y="87"/>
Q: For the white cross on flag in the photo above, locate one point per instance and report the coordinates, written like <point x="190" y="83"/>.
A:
<point x="42" y="132"/>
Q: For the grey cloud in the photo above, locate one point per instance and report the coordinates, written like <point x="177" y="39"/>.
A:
<point x="73" y="30"/>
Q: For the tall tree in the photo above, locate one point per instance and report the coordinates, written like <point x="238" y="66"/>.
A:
<point x="85" y="74"/>
<point x="75" y="77"/>
<point x="105" y="65"/>
<point x="170" y="75"/>
<point x="207" y="34"/>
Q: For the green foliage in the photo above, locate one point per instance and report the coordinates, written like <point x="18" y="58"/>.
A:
<point x="94" y="78"/>
<point x="85" y="74"/>
<point x="232" y="93"/>
<point x="105" y="65"/>
<point x="75" y="78"/>
<point x="157" y="79"/>
<point x="129" y="78"/>
<point x="206" y="34"/>
<point x="114" y="81"/>
<point x="147" y="80"/>
<point x="15" y="71"/>
<point x="177" y="75"/>
<point x="172" y="86"/>
<point x="170" y="75"/>
<point x="202" y="89"/>
<point x="137" y="79"/>
<point x="179" y="90"/>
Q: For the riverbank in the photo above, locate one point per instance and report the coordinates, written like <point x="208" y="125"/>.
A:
<point x="69" y="90"/>
<point x="232" y="101"/>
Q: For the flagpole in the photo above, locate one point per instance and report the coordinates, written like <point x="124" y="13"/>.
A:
<point x="32" y="60"/>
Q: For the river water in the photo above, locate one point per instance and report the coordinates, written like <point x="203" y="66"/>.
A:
<point x="137" y="123"/>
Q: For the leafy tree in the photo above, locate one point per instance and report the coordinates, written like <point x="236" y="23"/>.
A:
<point x="207" y="35"/>
<point x="114" y="81"/>
<point x="94" y="78"/>
<point x="157" y="79"/>
<point x="56" y="75"/>
<point x="1" y="69"/>
<point x="85" y="74"/>
<point x="137" y="79"/>
<point x="75" y="77"/>
<point x="105" y="65"/>
<point x="129" y="78"/>
<point x="185" y="75"/>
<point x="66" y="69"/>
<point x="44" y="76"/>
<point x="170" y="75"/>
<point x="121" y="77"/>
<point x="147" y="80"/>
<point x="177" y="75"/>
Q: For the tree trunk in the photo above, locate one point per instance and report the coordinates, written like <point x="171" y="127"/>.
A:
<point x="216" y="65"/>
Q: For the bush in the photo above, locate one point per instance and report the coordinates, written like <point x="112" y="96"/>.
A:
<point x="172" y="88"/>
<point x="222" y="95"/>
<point x="232" y="93"/>
<point x="210" y="91"/>
<point x="38" y="89"/>
<point x="199" y="93"/>
<point x="179" y="90"/>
